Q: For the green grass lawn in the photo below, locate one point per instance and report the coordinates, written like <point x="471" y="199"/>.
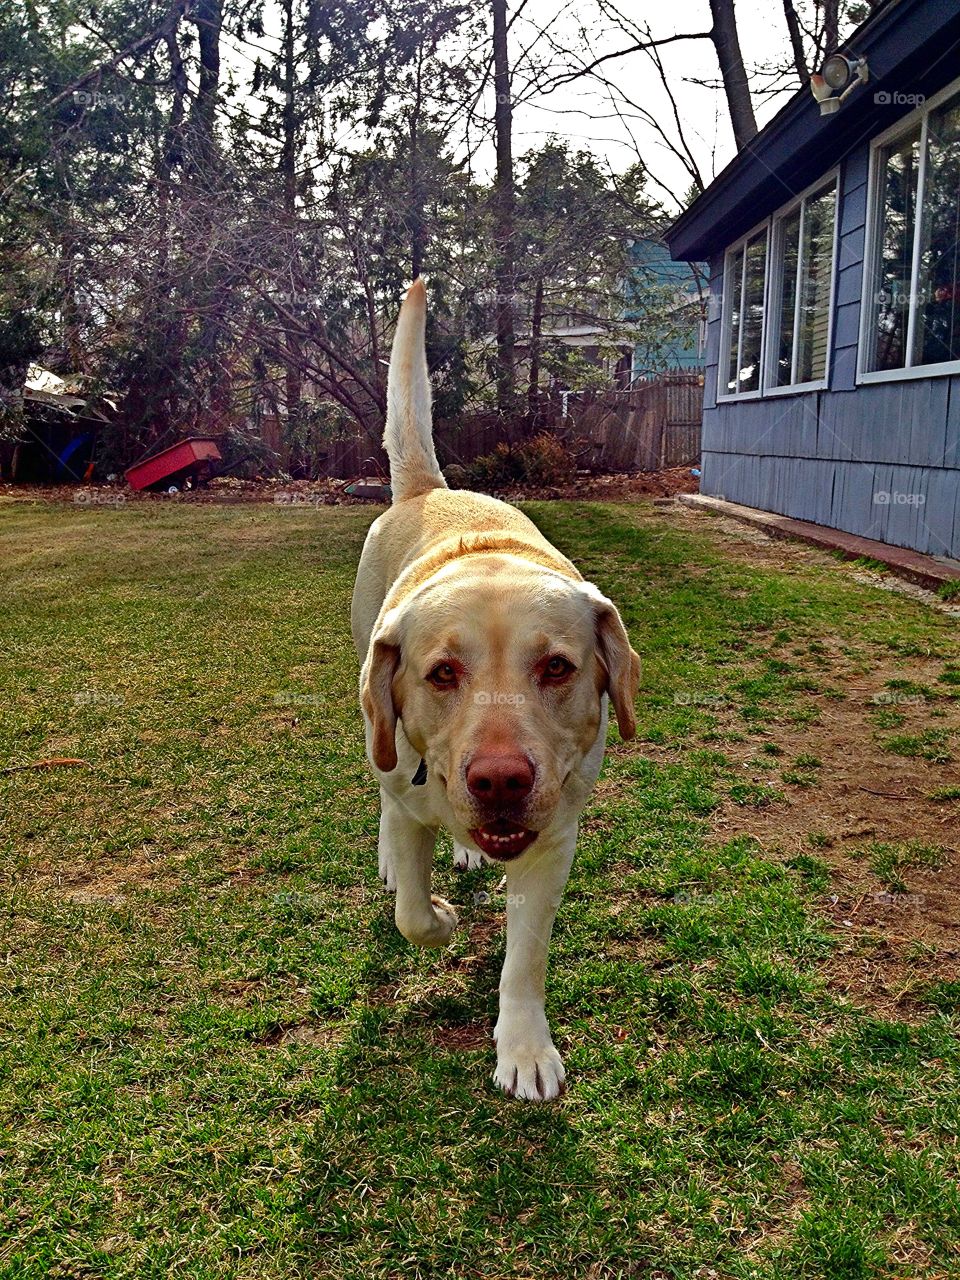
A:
<point x="220" y="1058"/>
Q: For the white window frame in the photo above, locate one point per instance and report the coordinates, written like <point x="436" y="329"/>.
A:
<point x="775" y="261"/>
<point x="872" y="239"/>
<point x="724" y="396"/>
<point x="771" y="293"/>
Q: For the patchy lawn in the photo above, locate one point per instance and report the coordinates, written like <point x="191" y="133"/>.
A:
<point x="220" y="1059"/>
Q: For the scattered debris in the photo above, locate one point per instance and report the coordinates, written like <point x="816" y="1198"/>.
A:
<point x="53" y="763"/>
<point x="329" y="492"/>
<point x="372" y="483"/>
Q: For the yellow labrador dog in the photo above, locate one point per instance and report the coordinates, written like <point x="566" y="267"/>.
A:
<point x="487" y="663"/>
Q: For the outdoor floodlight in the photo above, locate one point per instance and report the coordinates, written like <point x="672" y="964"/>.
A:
<point x="839" y="75"/>
<point x="839" y="70"/>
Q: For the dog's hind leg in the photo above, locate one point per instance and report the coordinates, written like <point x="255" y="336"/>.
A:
<point x="406" y="863"/>
<point x="385" y="866"/>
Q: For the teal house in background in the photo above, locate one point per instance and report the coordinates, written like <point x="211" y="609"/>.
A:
<point x="667" y="301"/>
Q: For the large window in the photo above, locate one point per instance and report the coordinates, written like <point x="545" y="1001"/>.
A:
<point x="745" y="276"/>
<point x="912" y="309"/>
<point x="777" y="298"/>
<point x="802" y="275"/>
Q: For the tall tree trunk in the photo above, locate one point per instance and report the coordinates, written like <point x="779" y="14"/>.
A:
<point x="533" y="386"/>
<point x="288" y="152"/>
<point x="831" y="27"/>
<point x="504" y="212"/>
<point x="204" y="196"/>
<point x="208" y="17"/>
<point x="70" y="308"/>
<point x="152" y="394"/>
<point x="796" y="41"/>
<point x="171" y="323"/>
<point x="172" y="154"/>
<point x="293" y="383"/>
<point x="726" y="41"/>
<point x="416" y="214"/>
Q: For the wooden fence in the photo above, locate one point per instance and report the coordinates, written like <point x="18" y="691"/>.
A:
<point x="460" y="441"/>
<point x="655" y="424"/>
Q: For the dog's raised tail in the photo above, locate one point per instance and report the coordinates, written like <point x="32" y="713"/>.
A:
<point x="408" y="435"/>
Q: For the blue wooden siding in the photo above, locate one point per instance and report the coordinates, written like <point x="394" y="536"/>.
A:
<point x="880" y="460"/>
<point x="849" y="278"/>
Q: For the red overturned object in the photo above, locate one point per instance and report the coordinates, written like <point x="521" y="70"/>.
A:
<point x="190" y="458"/>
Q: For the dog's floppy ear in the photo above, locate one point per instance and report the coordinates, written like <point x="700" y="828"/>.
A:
<point x="620" y="662"/>
<point x="376" y="697"/>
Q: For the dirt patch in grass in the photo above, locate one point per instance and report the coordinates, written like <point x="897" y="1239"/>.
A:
<point x="111" y="879"/>
<point x="107" y="883"/>
<point x="868" y="772"/>
<point x="482" y="932"/>
<point x="850" y="800"/>
<point x="471" y="1035"/>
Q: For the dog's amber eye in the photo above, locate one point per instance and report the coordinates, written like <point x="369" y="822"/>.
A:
<point x="557" y="668"/>
<point x="443" y="676"/>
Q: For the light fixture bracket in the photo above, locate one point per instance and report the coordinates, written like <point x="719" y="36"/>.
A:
<point x="837" y="79"/>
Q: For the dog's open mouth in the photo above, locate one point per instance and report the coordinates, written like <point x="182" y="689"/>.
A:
<point x="503" y="839"/>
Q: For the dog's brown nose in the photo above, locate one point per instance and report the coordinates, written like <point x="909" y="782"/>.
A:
<point x="500" y="779"/>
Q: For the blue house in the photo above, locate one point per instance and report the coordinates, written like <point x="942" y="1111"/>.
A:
<point x="659" y="287"/>
<point x="833" y="340"/>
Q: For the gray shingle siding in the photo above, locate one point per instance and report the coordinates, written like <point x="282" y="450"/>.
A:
<point x="879" y="460"/>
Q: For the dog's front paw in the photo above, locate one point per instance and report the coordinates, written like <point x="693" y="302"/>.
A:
<point x="528" y="1066"/>
<point x="433" y="930"/>
<point x="465" y="859"/>
<point x="446" y="920"/>
<point x="533" y="1073"/>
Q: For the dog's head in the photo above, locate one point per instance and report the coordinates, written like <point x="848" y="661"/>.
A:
<point x="497" y="669"/>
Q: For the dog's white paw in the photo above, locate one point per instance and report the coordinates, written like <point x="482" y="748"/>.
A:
<point x="465" y="859"/>
<point x="447" y="919"/>
<point x="433" y="930"/>
<point x="386" y="871"/>
<point x="528" y="1066"/>
<point x="533" y="1073"/>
